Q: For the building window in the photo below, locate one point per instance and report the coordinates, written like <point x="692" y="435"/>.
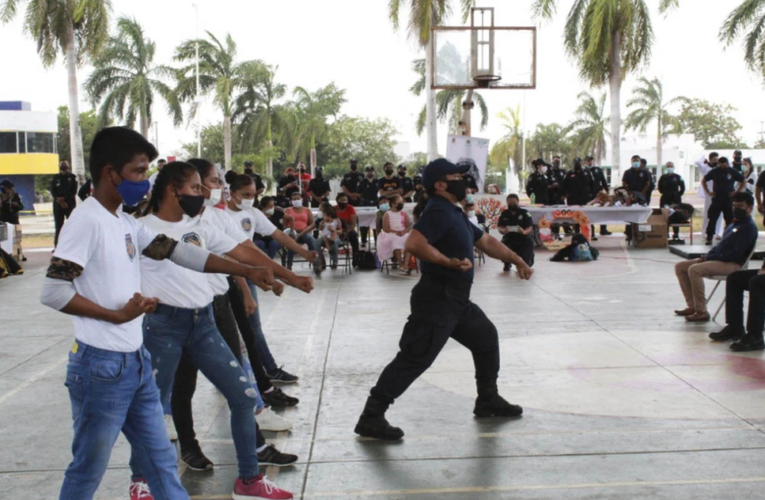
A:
<point x="40" y="142"/>
<point x="22" y="142"/>
<point x="8" y="142"/>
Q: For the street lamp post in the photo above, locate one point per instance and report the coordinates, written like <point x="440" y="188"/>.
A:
<point x="198" y="103"/>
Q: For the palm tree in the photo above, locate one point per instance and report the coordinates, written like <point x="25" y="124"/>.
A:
<point x="448" y="102"/>
<point x="511" y="145"/>
<point x="76" y="29"/>
<point x="124" y="75"/>
<point x="423" y="15"/>
<point x="313" y="109"/>
<point x="648" y="103"/>
<point x="218" y="72"/>
<point x="749" y="17"/>
<point x="609" y="39"/>
<point x="590" y="125"/>
<point x="256" y="109"/>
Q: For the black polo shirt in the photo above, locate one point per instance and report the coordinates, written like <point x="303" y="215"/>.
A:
<point x="407" y="186"/>
<point x="724" y="179"/>
<point x="319" y="187"/>
<point x="538" y="186"/>
<point x="351" y="181"/>
<point x="601" y="183"/>
<point x="386" y="185"/>
<point x="761" y="180"/>
<point x="636" y="179"/>
<point x="520" y="218"/>
<point x="284" y="181"/>
<point x="368" y="189"/>
<point x="448" y="229"/>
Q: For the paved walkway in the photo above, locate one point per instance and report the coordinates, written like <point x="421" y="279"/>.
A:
<point x="622" y="399"/>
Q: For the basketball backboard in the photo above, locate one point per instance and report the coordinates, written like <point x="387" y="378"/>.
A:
<point x="484" y="55"/>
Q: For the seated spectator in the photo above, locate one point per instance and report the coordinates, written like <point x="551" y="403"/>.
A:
<point x="347" y="214"/>
<point x="420" y="207"/>
<point x="516" y="225"/>
<point x="299" y="225"/>
<point x="474" y="216"/>
<point x="749" y="339"/>
<point x="396" y="226"/>
<point x="329" y="234"/>
<point x="383" y="205"/>
<point x="727" y="257"/>
<point x="269" y="245"/>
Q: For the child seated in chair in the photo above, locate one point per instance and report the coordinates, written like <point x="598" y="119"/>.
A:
<point x="329" y="232"/>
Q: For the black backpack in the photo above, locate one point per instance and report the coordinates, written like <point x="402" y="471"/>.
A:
<point x="366" y="260"/>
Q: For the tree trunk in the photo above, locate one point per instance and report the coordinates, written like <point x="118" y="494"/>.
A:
<point x="269" y="145"/>
<point x="467" y="107"/>
<point x="227" y="142"/>
<point x="659" y="147"/>
<point x="144" y="126"/>
<point x="312" y="158"/>
<point x="615" y="83"/>
<point x="431" y="126"/>
<point x="75" y="133"/>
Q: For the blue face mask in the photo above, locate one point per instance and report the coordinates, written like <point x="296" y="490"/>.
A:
<point x="670" y="170"/>
<point x="384" y="207"/>
<point x="133" y="192"/>
<point x="636" y="164"/>
<point x="469" y="198"/>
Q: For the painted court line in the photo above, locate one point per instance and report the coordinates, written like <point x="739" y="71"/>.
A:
<point x="32" y="380"/>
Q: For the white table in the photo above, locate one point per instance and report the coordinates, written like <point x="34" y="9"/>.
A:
<point x="597" y="215"/>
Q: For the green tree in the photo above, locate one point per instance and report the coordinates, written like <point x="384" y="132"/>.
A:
<point x="415" y="161"/>
<point x="712" y="124"/>
<point x="212" y="139"/>
<point x="89" y="126"/>
<point x="648" y="106"/>
<point x="748" y="17"/>
<point x="219" y="73"/>
<point x="423" y="15"/>
<point x="313" y="110"/>
<point x="509" y="147"/>
<point x="77" y="29"/>
<point x="125" y="79"/>
<point x="609" y="39"/>
<point x="370" y="142"/>
<point x="590" y="126"/>
<point x="550" y="140"/>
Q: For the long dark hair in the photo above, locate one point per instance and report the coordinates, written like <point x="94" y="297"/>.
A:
<point x="175" y="173"/>
<point x="203" y="166"/>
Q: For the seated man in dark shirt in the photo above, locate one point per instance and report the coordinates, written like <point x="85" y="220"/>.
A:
<point x="516" y="225"/>
<point x="727" y="257"/>
<point x="318" y="188"/>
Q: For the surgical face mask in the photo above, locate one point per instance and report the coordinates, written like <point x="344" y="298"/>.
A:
<point x="384" y="207"/>
<point x="670" y="170"/>
<point x="215" y="196"/>
<point x="191" y="204"/>
<point x="544" y="170"/>
<point x="739" y="213"/>
<point x="270" y="211"/>
<point x="133" y="192"/>
<point x="471" y="214"/>
<point x="469" y="198"/>
<point x="635" y="164"/>
<point x="244" y="204"/>
<point x="297" y="203"/>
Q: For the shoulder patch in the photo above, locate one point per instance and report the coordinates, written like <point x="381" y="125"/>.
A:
<point x="192" y="239"/>
<point x="247" y="224"/>
<point x="130" y="246"/>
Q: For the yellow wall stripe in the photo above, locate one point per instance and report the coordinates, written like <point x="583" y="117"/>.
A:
<point x="30" y="163"/>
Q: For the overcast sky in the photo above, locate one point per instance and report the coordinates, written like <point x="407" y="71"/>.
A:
<point x="352" y="43"/>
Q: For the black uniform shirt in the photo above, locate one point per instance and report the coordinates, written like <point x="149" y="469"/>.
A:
<point x="577" y="186"/>
<point x="537" y="185"/>
<point x="672" y="188"/>
<point x="64" y="186"/>
<point x="447" y="228"/>
<point x="351" y="181"/>
<point x="471" y="182"/>
<point x="319" y="187"/>
<point x="724" y="180"/>
<point x="285" y="181"/>
<point x="368" y="189"/>
<point x="555" y="177"/>
<point x="520" y="218"/>
<point x="601" y="183"/>
<point x="407" y="186"/>
<point x="636" y="179"/>
<point x="386" y="185"/>
<point x="761" y="180"/>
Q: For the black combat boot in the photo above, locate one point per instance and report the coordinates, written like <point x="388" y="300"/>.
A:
<point x="372" y="422"/>
<point x="490" y="404"/>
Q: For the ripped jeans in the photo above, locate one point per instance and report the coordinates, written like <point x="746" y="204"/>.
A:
<point x="167" y="333"/>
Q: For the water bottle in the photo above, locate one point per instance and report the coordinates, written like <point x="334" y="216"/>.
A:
<point x="533" y="199"/>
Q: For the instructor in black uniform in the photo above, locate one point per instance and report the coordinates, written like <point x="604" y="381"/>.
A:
<point x="443" y="239"/>
<point x="350" y="184"/>
<point x="63" y="188"/>
<point x="537" y="185"/>
<point x="671" y="187"/>
<point x="601" y="184"/>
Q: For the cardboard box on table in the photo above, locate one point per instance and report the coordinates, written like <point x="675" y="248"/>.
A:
<point x="652" y="233"/>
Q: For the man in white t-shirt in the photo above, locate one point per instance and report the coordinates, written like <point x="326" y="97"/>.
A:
<point x="95" y="277"/>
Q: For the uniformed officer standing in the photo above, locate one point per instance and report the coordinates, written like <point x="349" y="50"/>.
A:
<point x="318" y="188"/>
<point x="419" y="190"/>
<point x="555" y="177"/>
<point x="637" y="181"/>
<point x="601" y="184"/>
<point x="368" y="192"/>
<point x="350" y="184"/>
<point x="671" y="187"/>
<point x="259" y="186"/>
<point x="407" y="185"/>
<point x="516" y="225"/>
<point x="651" y="178"/>
<point x="537" y="185"/>
<point x="288" y="185"/>
<point x="724" y="179"/>
<point x="63" y="188"/>
<point x="738" y="161"/>
<point x="578" y="185"/>
<point x="389" y="185"/>
<point x="443" y="239"/>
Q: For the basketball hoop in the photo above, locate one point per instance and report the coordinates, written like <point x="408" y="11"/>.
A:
<point x="485" y="81"/>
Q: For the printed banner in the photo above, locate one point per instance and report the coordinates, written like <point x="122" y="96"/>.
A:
<point x="472" y="150"/>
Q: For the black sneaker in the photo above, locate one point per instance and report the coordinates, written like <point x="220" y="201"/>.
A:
<point x="496" y="407"/>
<point x="748" y="343"/>
<point x="281" y="377"/>
<point x="727" y="333"/>
<point x="196" y="460"/>
<point x="506" y="268"/>
<point x="278" y="399"/>
<point x="606" y="233"/>
<point x="377" y="427"/>
<point x="272" y="456"/>
<point x="708" y="243"/>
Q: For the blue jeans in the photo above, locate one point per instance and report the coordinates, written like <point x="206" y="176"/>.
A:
<point x="334" y="249"/>
<point x="308" y="240"/>
<point x="264" y="353"/>
<point x="112" y="392"/>
<point x="270" y="247"/>
<point x="170" y="331"/>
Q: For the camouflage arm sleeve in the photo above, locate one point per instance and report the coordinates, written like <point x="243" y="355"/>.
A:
<point x="160" y="248"/>
<point x="61" y="269"/>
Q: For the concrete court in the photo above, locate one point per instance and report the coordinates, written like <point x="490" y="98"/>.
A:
<point x="622" y="399"/>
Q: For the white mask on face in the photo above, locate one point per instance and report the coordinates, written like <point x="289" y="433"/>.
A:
<point x="270" y="212"/>
<point x="215" y="196"/>
<point x="297" y="203"/>
<point x="246" y="204"/>
<point x="471" y="213"/>
<point x="544" y="170"/>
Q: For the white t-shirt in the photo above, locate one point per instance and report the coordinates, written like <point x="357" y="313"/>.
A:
<point x="172" y="284"/>
<point x="153" y="179"/>
<point x="108" y="246"/>
<point x="220" y="219"/>
<point x="251" y="221"/>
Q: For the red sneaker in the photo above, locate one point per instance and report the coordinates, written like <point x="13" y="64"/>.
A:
<point x="139" y="490"/>
<point x="259" y="488"/>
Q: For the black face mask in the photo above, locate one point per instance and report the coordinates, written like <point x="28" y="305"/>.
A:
<point x="248" y="171"/>
<point x="402" y="174"/>
<point x="354" y="168"/>
<point x="577" y="166"/>
<point x="388" y="172"/>
<point x="739" y="213"/>
<point x="342" y="205"/>
<point x="512" y="208"/>
<point x="457" y="188"/>
<point x="190" y="204"/>
<point x="290" y="177"/>
<point x="64" y="170"/>
<point x="370" y="175"/>
<point x="399" y="206"/>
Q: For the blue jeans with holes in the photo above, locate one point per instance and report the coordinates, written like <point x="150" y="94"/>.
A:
<point x="172" y="330"/>
<point x="264" y="353"/>
<point x="112" y="392"/>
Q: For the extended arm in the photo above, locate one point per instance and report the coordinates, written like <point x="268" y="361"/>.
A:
<point x="496" y="250"/>
<point x="418" y="246"/>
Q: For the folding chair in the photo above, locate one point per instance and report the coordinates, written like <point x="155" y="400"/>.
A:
<point x="720" y="279"/>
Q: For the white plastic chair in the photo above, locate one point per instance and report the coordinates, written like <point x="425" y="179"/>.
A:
<point x="720" y="279"/>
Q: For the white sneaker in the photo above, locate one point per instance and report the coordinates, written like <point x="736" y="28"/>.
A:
<point x="270" y="421"/>
<point x="170" y="428"/>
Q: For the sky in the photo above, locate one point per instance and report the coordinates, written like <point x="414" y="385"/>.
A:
<point x="353" y="43"/>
